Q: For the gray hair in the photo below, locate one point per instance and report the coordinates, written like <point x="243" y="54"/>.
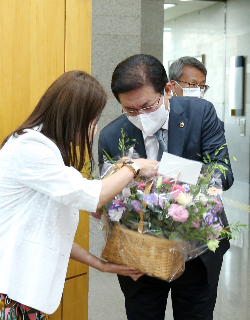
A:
<point x="175" y="69"/>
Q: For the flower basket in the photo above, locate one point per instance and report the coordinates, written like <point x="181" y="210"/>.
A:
<point x="156" y="225"/>
<point x="157" y="257"/>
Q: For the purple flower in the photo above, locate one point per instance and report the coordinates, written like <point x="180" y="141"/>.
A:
<point x="186" y="187"/>
<point x="151" y="198"/>
<point x="209" y="217"/>
<point x="221" y="223"/>
<point x="116" y="211"/>
<point x="155" y="199"/>
<point x="162" y="201"/>
<point x="136" y="205"/>
<point x="218" y="207"/>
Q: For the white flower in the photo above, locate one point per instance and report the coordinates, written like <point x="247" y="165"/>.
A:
<point x="183" y="198"/>
<point x="116" y="212"/>
<point x="126" y="192"/>
<point x="203" y="199"/>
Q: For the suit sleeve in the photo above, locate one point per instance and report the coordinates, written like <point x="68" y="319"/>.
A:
<point x="212" y="139"/>
<point x="102" y="145"/>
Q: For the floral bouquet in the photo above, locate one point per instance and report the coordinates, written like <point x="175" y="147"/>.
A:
<point x="156" y="225"/>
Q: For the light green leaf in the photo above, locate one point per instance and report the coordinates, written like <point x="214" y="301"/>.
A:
<point x="173" y="235"/>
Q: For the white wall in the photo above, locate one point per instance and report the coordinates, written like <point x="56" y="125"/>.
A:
<point x="219" y="32"/>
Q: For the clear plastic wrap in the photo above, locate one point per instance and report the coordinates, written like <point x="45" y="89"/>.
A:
<point x="157" y="225"/>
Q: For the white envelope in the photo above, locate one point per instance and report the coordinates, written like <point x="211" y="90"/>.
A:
<point x="179" y="168"/>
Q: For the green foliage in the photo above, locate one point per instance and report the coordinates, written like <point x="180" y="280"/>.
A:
<point x="123" y="145"/>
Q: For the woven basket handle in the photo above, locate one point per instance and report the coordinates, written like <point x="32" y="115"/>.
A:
<point x="146" y="191"/>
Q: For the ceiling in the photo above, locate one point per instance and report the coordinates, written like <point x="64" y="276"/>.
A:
<point x="185" y="6"/>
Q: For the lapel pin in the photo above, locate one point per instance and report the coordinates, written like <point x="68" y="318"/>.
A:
<point x="182" y="124"/>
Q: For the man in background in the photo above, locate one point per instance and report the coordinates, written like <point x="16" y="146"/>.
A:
<point x="189" y="127"/>
<point x="187" y="76"/>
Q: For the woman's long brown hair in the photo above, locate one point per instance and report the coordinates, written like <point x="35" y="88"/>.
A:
<point x="66" y="110"/>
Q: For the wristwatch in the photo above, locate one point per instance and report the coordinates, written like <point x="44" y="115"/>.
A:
<point x="132" y="165"/>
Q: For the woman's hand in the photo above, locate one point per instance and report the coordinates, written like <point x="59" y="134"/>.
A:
<point x="148" y="168"/>
<point x="113" y="185"/>
<point x="121" y="270"/>
<point x="96" y="214"/>
<point x="81" y="255"/>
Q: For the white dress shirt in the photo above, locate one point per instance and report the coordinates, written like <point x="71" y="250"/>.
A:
<point x="151" y="143"/>
<point x="39" y="202"/>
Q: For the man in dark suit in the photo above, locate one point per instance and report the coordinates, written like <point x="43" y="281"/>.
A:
<point x="190" y="127"/>
<point x="187" y="76"/>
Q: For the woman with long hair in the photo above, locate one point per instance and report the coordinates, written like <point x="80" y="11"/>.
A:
<point x="41" y="191"/>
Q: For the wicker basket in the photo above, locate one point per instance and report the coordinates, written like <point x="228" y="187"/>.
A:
<point x="154" y="256"/>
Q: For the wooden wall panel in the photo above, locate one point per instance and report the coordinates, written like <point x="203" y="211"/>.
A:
<point x="32" y="56"/>
<point x="75" y="299"/>
<point x="82" y="238"/>
<point x="48" y="41"/>
<point x="78" y="56"/>
<point x="6" y="69"/>
<point x="78" y="35"/>
<point x="74" y="303"/>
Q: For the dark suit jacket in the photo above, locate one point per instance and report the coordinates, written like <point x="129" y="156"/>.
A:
<point x="201" y="133"/>
<point x="222" y="126"/>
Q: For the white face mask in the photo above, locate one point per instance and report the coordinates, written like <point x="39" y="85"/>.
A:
<point x="192" y="92"/>
<point x="150" y="123"/>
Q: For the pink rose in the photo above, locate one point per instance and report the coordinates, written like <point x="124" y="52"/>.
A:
<point x="178" y="213"/>
<point x="141" y="184"/>
<point x="196" y="224"/>
<point x="216" y="227"/>
<point x="176" y="190"/>
<point x="117" y="201"/>
<point x="166" y="181"/>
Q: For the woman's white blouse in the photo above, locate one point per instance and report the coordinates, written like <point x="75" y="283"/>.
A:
<point x="39" y="202"/>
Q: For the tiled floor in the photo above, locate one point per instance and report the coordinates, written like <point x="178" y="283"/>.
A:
<point x="106" y="300"/>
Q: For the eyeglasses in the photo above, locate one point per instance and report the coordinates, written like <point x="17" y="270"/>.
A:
<point x="195" y="85"/>
<point x="133" y="113"/>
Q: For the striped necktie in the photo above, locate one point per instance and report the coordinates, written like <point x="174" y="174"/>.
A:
<point x="162" y="144"/>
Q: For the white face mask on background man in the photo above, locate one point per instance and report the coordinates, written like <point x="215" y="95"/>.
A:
<point x="192" y="92"/>
<point x="151" y="122"/>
